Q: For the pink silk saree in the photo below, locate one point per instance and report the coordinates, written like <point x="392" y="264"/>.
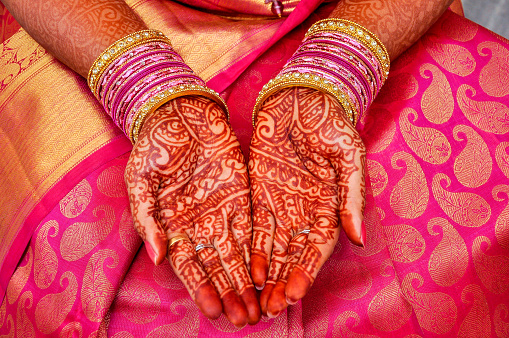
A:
<point x="436" y="261"/>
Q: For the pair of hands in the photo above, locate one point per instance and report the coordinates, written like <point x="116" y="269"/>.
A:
<point x="187" y="176"/>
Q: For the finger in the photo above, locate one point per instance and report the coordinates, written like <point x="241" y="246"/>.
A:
<point x="238" y="274"/>
<point x="277" y="301"/>
<point x="264" y="226"/>
<point x="350" y="168"/>
<point x="145" y="215"/>
<point x="278" y="259"/>
<point x="242" y="228"/>
<point x="184" y="261"/>
<point x="319" y="246"/>
<point x="233" y="306"/>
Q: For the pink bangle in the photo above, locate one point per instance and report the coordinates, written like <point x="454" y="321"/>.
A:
<point x="338" y="57"/>
<point x="139" y="73"/>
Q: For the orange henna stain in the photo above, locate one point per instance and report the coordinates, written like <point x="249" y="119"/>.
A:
<point x="277" y="301"/>
<point x="354" y="233"/>
<point x="208" y="301"/>
<point x="234" y="309"/>
<point x="264" y="297"/>
<point x="259" y="270"/>
<point x="252" y="304"/>
<point x="298" y="285"/>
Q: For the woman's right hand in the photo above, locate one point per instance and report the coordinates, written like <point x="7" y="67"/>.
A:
<point x="187" y="177"/>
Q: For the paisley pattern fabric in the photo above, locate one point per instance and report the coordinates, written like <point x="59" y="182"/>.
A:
<point x="437" y="216"/>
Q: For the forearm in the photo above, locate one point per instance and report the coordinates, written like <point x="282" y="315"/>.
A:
<point x="75" y="31"/>
<point x="398" y="23"/>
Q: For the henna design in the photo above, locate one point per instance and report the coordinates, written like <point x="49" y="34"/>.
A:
<point x="306" y="168"/>
<point x="187" y="174"/>
<point x="75" y="31"/>
<point x="397" y="23"/>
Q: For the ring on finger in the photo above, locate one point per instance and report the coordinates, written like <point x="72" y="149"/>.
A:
<point x="203" y="246"/>
<point x="305" y="231"/>
<point x="176" y="239"/>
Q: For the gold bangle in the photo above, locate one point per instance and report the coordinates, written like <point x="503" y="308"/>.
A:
<point x="297" y="79"/>
<point x="176" y="239"/>
<point x="165" y="96"/>
<point x="357" y="32"/>
<point x="118" y="48"/>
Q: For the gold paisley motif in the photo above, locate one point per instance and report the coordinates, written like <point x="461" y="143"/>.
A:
<point x="374" y="234"/>
<point x="449" y="260"/>
<point x="437" y="102"/>
<point x="224" y="325"/>
<point x="377" y="176"/>
<point x="278" y="329"/>
<point x="429" y="144"/>
<point x="128" y="235"/>
<point x="493" y="271"/>
<point x="454" y="58"/>
<point x="501" y="321"/>
<point x="70" y="329"/>
<point x="24" y="327"/>
<point x="472" y="166"/>
<point x="45" y="258"/>
<point x="410" y="196"/>
<point x="388" y="310"/>
<point x="465" y="208"/>
<point x="52" y="309"/>
<point x="77" y="200"/>
<point x="138" y="301"/>
<point x="435" y="311"/>
<point x="3" y="311"/>
<point x="405" y="243"/>
<point x="477" y="323"/>
<point x="379" y="122"/>
<point x="341" y="329"/>
<point x="18" y="281"/>
<point x="502" y="158"/>
<point x="111" y="182"/>
<point x="316" y="313"/>
<point x="81" y="237"/>
<point x="489" y="116"/>
<point x="164" y="276"/>
<point x="398" y="87"/>
<point x="186" y="327"/>
<point x="97" y="292"/>
<point x="345" y="279"/>
<point x="459" y="29"/>
<point x="10" y="323"/>
<point x="123" y="334"/>
<point x="381" y="213"/>
<point x="494" y="76"/>
<point x="502" y="224"/>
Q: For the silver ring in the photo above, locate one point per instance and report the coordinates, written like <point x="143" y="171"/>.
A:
<point x="305" y="231"/>
<point x="203" y="246"/>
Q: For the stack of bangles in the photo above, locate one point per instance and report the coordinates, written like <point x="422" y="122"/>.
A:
<point x="139" y="73"/>
<point x="338" y="57"/>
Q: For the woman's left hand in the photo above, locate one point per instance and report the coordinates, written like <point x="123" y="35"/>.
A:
<point x="306" y="168"/>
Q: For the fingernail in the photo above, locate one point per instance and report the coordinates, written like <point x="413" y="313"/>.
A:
<point x="291" y="302"/>
<point x="270" y="315"/>
<point x="363" y="234"/>
<point x="150" y="251"/>
<point x="260" y="288"/>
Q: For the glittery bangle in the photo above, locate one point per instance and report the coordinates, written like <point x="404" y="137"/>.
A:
<point x="138" y="74"/>
<point x="357" y="32"/>
<point x="338" y="57"/>
<point x="165" y="96"/>
<point x="117" y="48"/>
<point x="299" y="79"/>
